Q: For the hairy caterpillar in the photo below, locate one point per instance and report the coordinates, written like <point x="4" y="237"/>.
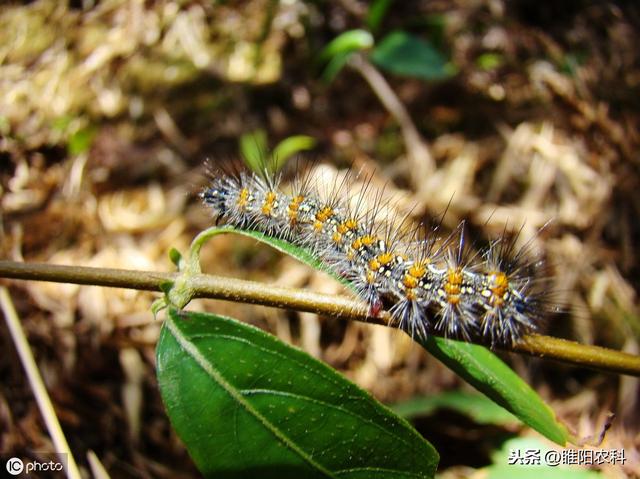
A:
<point x="429" y="284"/>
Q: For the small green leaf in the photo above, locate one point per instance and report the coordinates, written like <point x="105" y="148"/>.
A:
<point x="335" y="65"/>
<point x="254" y="149"/>
<point x="347" y="42"/>
<point x="247" y="405"/>
<point x="288" y="148"/>
<point x="157" y="306"/>
<point x="61" y="123"/>
<point x="175" y="256"/>
<point x="81" y="140"/>
<point x="490" y="61"/>
<point x="436" y="26"/>
<point x="478" y="407"/>
<point x="571" y="62"/>
<point x="377" y="12"/>
<point x="474" y="363"/>
<point x="404" y="54"/>
<point x="5" y="126"/>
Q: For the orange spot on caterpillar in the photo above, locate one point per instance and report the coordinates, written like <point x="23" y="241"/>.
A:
<point x="498" y="285"/>
<point x="292" y="209"/>
<point x="267" y="206"/>
<point x="243" y="198"/>
<point x="368" y="240"/>
<point x="410" y="294"/>
<point x="370" y="277"/>
<point x="379" y="261"/>
<point x="385" y="258"/>
<point x="321" y="217"/>
<point x="324" y="214"/>
<point x="409" y="281"/>
<point x="348" y="225"/>
<point x="453" y="285"/>
<point x="362" y="241"/>
<point x="417" y="270"/>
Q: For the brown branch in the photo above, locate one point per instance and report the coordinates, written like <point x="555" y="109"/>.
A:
<point x="231" y="289"/>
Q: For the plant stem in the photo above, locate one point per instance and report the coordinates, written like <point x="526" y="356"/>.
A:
<point x="231" y="289"/>
<point x="420" y="160"/>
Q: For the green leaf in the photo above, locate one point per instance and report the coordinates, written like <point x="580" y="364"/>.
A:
<point x="289" y="147"/>
<point x="296" y="252"/>
<point x="436" y="26"/>
<point x="571" y="62"/>
<point x="347" y="42"/>
<point x="157" y="306"/>
<point x="478" y="407"/>
<point x="377" y="12"/>
<point x="404" y="54"/>
<point x="247" y="405"/>
<point x="254" y="149"/>
<point x="175" y="256"/>
<point x="81" y="140"/>
<point x="5" y="126"/>
<point x="335" y="65"/>
<point x="491" y="376"/>
<point x="61" y="123"/>
<point x="474" y="363"/>
<point x="490" y="61"/>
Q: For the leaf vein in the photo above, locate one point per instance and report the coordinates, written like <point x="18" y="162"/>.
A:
<point x="195" y="353"/>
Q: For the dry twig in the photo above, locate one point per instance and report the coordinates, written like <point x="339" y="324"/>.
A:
<point x="37" y="384"/>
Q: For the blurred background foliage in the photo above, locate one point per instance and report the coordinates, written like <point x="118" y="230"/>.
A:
<point x="524" y="112"/>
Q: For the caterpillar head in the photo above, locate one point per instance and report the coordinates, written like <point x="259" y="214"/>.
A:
<point x="215" y="197"/>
